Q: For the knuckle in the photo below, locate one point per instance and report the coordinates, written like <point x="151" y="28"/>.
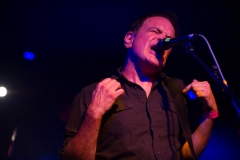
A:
<point x="115" y="81"/>
<point x="112" y="96"/>
<point x="98" y="86"/>
<point x="118" y="84"/>
<point x="206" y="83"/>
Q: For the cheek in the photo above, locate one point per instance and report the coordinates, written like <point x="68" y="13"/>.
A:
<point x="138" y="46"/>
<point x="168" y="52"/>
<point x="165" y="56"/>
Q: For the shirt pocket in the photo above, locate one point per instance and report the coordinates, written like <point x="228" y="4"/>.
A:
<point x="121" y="120"/>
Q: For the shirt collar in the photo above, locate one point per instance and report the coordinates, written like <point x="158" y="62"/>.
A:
<point x="118" y="75"/>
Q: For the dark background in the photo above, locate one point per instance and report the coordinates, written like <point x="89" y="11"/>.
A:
<point x="79" y="42"/>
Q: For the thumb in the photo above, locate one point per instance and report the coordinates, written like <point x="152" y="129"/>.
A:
<point x="187" y="88"/>
<point x="195" y="80"/>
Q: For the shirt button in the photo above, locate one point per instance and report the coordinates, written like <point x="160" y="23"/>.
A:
<point x="158" y="153"/>
<point x="152" y="128"/>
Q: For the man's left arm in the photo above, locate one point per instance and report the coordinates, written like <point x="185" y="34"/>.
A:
<point x="203" y="132"/>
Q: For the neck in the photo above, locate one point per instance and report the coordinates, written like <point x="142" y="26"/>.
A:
<point x="139" y="78"/>
<point x="139" y="74"/>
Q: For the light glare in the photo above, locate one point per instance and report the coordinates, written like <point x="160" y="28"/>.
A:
<point x="3" y="91"/>
<point x="29" y="55"/>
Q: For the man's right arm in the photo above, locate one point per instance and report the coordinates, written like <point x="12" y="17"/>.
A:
<point x="83" y="145"/>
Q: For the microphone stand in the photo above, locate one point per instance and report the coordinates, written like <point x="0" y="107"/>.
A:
<point x="235" y="100"/>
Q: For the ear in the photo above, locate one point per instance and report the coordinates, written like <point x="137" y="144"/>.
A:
<point x="128" y="39"/>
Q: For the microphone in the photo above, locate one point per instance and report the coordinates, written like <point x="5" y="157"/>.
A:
<point x="167" y="43"/>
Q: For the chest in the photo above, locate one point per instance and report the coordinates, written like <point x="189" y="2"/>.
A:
<point x="139" y="126"/>
<point x="134" y="111"/>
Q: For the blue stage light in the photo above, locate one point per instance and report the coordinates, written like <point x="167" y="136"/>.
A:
<point x="192" y="95"/>
<point x="29" y="55"/>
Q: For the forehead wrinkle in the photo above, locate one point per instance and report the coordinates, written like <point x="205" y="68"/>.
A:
<point x="159" y="25"/>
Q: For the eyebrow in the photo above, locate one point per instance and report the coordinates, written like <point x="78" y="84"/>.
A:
<point x="160" y="30"/>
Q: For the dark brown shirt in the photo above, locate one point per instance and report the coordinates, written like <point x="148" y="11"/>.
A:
<point x="136" y="127"/>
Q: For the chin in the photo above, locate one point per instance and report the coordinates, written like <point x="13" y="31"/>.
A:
<point x="159" y="65"/>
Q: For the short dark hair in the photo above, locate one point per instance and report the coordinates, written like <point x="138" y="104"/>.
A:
<point x="171" y="16"/>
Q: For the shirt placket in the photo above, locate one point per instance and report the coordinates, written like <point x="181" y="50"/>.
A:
<point x="154" y="131"/>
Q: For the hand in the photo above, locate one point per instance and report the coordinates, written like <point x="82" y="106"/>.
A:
<point x="203" y="91"/>
<point x="103" y="97"/>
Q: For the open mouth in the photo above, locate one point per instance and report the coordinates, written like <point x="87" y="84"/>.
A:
<point x="157" y="50"/>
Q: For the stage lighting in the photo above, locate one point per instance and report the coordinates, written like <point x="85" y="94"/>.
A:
<point x="3" y="91"/>
<point x="29" y="55"/>
<point x="192" y="95"/>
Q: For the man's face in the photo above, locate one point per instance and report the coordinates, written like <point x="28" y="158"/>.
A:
<point x="141" y="46"/>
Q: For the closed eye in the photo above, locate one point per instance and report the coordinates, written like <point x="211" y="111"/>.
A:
<point x="156" y="30"/>
<point x="159" y="31"/>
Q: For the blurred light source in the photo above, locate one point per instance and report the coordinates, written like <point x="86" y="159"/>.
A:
<point x="29" y="55"/>
<point x="192" y="95"/>
<point x="3" y="91"/>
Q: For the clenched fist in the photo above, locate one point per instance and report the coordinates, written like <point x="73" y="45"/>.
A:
<point x="203" y="90"/>
<point x="103" y="97"/>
